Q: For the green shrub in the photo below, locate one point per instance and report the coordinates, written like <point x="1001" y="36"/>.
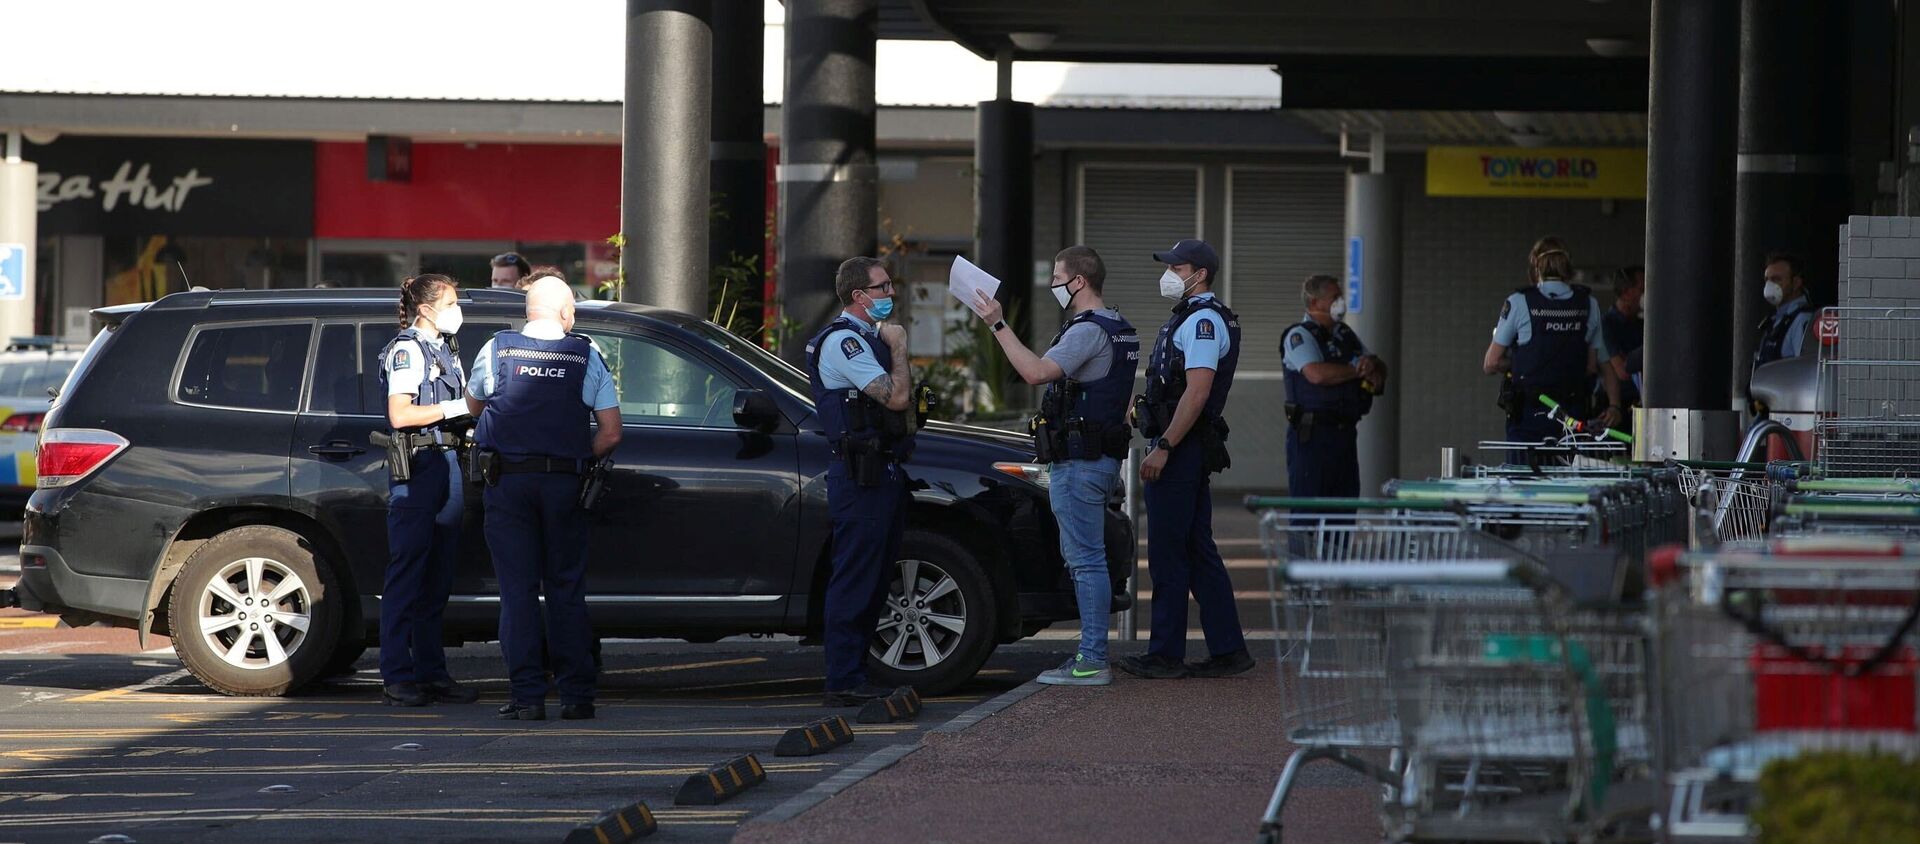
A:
<point x="1839" y="798"/>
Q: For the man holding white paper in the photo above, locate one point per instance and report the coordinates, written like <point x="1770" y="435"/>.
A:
<point x="1081" y="432"/>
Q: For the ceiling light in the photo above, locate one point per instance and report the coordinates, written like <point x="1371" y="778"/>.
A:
<point x="1614" y="48"/>
<point x="1031" y="41"/>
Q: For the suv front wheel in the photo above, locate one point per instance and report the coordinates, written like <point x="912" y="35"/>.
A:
<point x="255" y="612"/>
<point x="937" y="622"/>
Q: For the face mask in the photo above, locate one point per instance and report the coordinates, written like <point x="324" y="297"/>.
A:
<point x="1062" y="294"/>
<point x="1172" y="286"/>
<point x="1773" y="293"/>
<point x="881" y="308"/>
<point x="1338" y="310"/>
<point x="449" y="320"/>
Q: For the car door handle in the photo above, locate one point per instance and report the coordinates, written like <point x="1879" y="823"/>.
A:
<point x="336" y="450"/>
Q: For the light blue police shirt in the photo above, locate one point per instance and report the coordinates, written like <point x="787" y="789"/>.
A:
<point x="1307" y="350"/>
<point x="1516" y="319"/>
<point x="1203" y="337"/>
<point x="596" y="390"/>
<point x="846" y="359"/>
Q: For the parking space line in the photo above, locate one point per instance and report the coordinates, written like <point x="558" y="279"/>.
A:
<point x="149" y="683"/>
<point x="655" y="669"/>
<point x="42" y="647"/>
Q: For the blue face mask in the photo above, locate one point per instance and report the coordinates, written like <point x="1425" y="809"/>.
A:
<point x="881" y="308"/>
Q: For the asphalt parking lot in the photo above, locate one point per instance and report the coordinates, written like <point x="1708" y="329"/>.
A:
<point x="99" y="744"/>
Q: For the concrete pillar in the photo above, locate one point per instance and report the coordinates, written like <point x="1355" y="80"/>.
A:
<point x="829" y="184"/>
<point x="739" y="150"/>
<point x="19" y="240"/>
<point x="1794" y="179"/>
<point x="1003" y="202"/>
<point x="1373" y="309"/>
<point x="1691" y="126"/>
<point x="665" y="126"/>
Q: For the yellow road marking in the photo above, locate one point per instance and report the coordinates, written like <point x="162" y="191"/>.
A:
<point x="36" y="622"/>
<point x="655" y="669"/>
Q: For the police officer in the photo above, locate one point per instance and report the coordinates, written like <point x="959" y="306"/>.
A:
<point x="536" y="392"/>
<point x="1784" y="332"/>
<point x="1188" y="376"/>
<point x="510" y="271"/>
<point x="1331" y="380"/>
<point x="425" y="399"/>
<point x="1625" y="329"/>
<point x="861" y="386"/>
<point x="1553" y="331"/>
<point x="1082" y="431"/>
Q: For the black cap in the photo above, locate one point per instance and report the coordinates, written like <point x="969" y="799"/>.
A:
<point x="1195" y="252"/>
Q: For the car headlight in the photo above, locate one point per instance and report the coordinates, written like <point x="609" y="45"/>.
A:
<point x="1037" y="474"/>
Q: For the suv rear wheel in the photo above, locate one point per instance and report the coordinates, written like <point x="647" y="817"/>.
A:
<point x="937" y="622"/>
<point x="255" y="612"/>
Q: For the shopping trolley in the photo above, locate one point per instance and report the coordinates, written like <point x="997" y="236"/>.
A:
<point x="1332" y="653"/>
<point x="1869" y="369"/>
<point x="1591" y="533"/>
<point x="1885" y="507"/>
<point x="1768" y="649"/>
<point x="1519" y="718"/>
<point x="1733" y="500"/>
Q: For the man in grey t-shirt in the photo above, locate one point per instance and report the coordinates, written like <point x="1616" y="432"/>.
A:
<point x="1090" y="371"/>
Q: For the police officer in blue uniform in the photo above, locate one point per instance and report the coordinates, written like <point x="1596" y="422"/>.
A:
<point x="1553" y="332"/>
<point x="1784" y="332"/>
<point x="1189" y="375"/>
<point x="548" y="410"/>
<point x="425" y="498"/>
<point x="1331" y="380"/>
<point x="1082" y="433"/>
<point x="861" y="387"/>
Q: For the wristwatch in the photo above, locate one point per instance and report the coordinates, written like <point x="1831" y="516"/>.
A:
<point x="1160" y="443"/>
<point x="999" y="324"/>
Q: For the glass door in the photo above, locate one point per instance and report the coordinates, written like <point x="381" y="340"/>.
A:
<point x="385" y="263"/>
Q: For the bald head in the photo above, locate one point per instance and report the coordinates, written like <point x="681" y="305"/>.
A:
<point x="551" y="298"/>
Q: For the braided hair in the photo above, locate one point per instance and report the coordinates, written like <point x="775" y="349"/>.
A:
<point x="419" y="290"/>
<point x="1549" y="259"/>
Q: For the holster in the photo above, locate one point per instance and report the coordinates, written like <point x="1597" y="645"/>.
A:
<point x="1213" y="444"/>
<point x="487" y="465"/>
<point x="866" y="460"/>
<point x="594" y="485"/>
<point x="1509" y="398"/>
<point x="1047" y="444"/>
<point x="399" y="448"/>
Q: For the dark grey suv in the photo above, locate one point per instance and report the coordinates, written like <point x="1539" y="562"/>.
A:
<point x="205" y="473"/>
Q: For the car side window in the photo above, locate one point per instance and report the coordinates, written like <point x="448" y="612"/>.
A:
<point x="662" y="385"/>
<point x="251" y="367"/>
<point x="338" y="370"/>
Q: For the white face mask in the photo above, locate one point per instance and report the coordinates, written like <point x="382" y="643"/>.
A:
<point x="449" y="320"/>
<point x="1061" y="295"/>
<point x="1172" y="286"/>
<point x="1773" y="293"/>
<point x="1338" y="310"/>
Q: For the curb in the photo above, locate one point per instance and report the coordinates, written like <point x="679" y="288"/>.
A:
<point x="885" y="757"/>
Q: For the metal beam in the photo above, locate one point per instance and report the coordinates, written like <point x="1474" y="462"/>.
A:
<point x="1447" y="83"/>
<point x="663" y="163"/>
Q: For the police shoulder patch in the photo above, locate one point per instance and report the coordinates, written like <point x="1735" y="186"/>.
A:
<point x="851" y="348"/>
<point x="1295" y="338"/>
<point x="1506" y="308"/>
<point x="402" y="359"/>
<point x="1204" y="329"/>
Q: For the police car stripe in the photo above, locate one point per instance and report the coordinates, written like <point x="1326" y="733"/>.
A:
<point x="536" y="354"/>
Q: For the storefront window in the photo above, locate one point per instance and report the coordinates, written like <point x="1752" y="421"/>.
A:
<point x="142" y="269"/>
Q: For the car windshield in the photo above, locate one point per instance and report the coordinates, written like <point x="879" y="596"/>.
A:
<point x="32" y="378"/>
<point x="785" y="374"/>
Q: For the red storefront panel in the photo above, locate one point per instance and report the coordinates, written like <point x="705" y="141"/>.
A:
<point x="524" y="192"/>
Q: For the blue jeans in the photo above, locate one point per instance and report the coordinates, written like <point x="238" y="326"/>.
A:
<point x="1079" y="491"/>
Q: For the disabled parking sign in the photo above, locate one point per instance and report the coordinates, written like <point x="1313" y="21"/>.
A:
<point x="13" y="271"/>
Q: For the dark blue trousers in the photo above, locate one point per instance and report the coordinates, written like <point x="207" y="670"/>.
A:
<point x="1328" y="465"/>
<point x="1182" y="558"/>
<point x="1533" y="427"/>
<point x="867" y="525"/>
<point x="538" y="535"/>
<point x="423" y="545"/>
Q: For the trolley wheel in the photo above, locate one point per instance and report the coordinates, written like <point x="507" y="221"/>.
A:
<point x="1269" y="834"/>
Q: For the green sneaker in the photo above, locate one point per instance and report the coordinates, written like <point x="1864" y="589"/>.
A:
<point x="1077" y="672"/>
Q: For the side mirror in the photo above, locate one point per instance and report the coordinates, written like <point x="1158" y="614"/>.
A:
<point x="754" y="410"/>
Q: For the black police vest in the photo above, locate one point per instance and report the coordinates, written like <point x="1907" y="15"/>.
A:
<point x="1554" y="359"/>
<point x="840" y="409"/>
<point x="1342" y="401"/>
<point x="537" y="409"/>
<point x="1103" y="401"/>
<point x="445" y="384"/>
<point x="1167" y="365"/>
<point x="1774" y="331"/>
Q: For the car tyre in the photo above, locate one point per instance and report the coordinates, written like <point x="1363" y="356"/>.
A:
<point x="256" y="612"/>
<point x="950" y="584"/>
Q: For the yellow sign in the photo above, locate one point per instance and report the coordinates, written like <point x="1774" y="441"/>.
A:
<point x="1547" y="173"/>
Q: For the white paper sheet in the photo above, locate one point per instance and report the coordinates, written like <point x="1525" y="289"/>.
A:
<point x="965" y="279"/>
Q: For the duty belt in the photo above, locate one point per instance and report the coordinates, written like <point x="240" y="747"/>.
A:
<point x="543" y="465"/>
<point x="1310" y="419"/>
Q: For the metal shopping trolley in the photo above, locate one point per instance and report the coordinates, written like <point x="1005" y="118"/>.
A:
<point x="1733" y="500"/>
<point x="1769" y="649"/>
<point x="1591" y="533"/>
<point x="1870" y="386"/>
<point x="1519" y="717"/>
<point x="1332" y="654"/>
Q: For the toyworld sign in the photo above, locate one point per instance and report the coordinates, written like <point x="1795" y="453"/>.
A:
<point x="1564" y="173"/>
